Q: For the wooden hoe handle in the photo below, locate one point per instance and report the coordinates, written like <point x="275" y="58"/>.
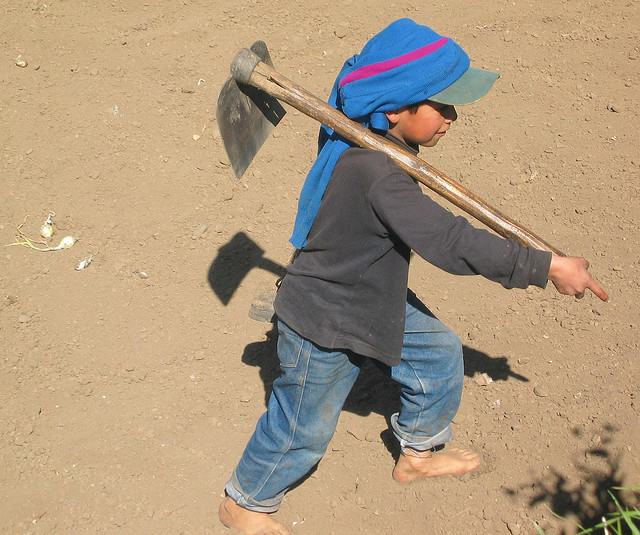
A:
<point x="247" y="68"/>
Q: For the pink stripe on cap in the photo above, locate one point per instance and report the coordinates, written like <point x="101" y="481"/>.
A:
<point x="384" y="66"/>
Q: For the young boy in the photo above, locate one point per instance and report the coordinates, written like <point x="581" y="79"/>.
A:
<point x="345" y="298"/>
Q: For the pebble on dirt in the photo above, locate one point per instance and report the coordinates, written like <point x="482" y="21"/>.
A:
<point x="199" y="231"/>
<point x="540" y="391"/>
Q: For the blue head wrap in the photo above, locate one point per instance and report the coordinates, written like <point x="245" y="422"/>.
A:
<point x="404" y="64"/>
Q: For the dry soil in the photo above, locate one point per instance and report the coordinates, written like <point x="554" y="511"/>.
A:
<point x="129" y="388"/>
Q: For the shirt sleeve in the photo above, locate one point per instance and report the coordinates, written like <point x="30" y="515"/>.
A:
<point x="450" y="242"/>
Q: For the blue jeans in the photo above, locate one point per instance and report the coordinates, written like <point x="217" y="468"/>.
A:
<point x="302" y="414"/>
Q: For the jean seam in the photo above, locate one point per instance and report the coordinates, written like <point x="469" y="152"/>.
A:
<point x="414" y="422"/>
<point x="305" y="343"/>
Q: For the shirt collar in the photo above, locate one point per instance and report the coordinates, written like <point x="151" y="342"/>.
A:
<point x="411" y="148"/>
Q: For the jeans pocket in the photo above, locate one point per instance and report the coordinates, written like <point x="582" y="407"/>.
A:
<point x="290" y="346"/>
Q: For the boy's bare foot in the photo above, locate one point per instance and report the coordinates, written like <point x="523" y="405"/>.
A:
<point x="249" y="522"/>
<point x="452" y="461"/>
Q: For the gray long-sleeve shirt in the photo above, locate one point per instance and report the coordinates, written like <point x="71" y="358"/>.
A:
<point x="347" y="288"/>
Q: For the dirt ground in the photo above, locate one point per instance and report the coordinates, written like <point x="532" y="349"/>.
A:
<point x="129" y="388"/>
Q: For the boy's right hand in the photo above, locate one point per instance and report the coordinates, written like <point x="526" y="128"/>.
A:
<point x="570" y="276"/>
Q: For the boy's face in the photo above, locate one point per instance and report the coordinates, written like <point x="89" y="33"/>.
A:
<point x="423" y="127"/>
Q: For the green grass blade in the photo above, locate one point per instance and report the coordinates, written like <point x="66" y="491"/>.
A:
<point x="632" y="525"/>
<point x="626" y="515"/>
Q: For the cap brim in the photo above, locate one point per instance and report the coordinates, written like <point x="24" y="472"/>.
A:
<point x="471" y="86"/>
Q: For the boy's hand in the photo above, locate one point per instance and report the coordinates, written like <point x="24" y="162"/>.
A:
<point x="570" y="277"/>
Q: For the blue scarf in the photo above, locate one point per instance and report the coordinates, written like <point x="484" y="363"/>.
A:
<point x="404" y="64"/>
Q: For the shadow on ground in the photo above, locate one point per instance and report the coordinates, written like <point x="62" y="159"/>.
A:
<point x="235" y="259"/>
<point x="584" y="500"/>
<point x="240" y="255"/>
<point x="498" y="368"/>
<point x="373" y="391"/>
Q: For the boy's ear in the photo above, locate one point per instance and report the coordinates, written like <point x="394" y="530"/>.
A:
<point x="393" y="116"/>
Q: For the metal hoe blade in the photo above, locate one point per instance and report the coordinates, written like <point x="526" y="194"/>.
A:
<point x="246" y="115"/>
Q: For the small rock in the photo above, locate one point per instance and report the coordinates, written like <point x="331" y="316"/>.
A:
<point x="341" y="31"/>
<point x="196" y="137"/>
<point x="22" y="63"/>
<point x="23" y="318"/>
<point x="261" y="308"/>
<point x="372" y="437"/>
<point x="199" y="231"/>
<point x="483" y="379"/>
<point x="514" y="528"/>
<point x="540" y="391"/>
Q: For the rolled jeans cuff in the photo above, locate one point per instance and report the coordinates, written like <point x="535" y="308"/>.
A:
<point x="271" y="506"/>
<point x="420" y="443"/>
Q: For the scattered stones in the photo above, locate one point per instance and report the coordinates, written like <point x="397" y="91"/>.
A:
<point x="72" y="343"/>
